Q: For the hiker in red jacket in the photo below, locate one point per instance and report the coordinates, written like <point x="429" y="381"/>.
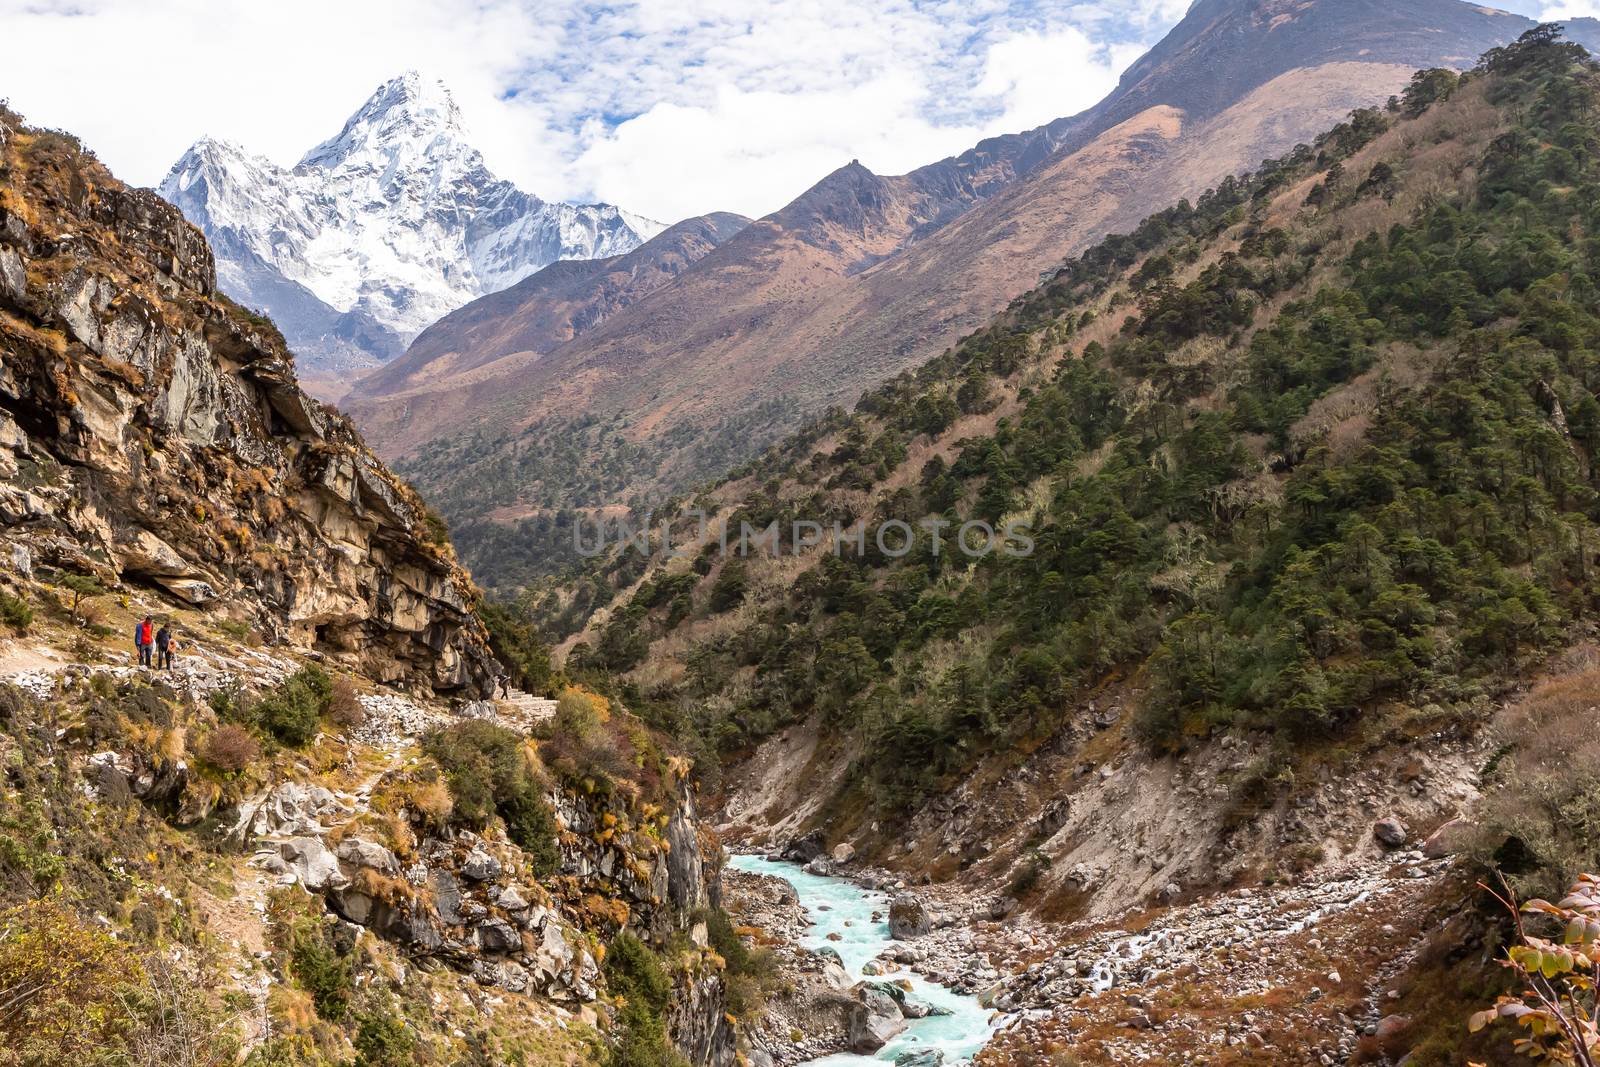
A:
<point x="144" y="636"/>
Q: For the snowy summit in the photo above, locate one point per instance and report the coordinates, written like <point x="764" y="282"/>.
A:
<point x="381" y="230"/>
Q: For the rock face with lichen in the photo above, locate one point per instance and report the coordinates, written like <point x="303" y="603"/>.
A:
<point x="153" y="433"/>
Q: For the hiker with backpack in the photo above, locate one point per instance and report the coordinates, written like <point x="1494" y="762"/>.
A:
<point x="144" y="638"/>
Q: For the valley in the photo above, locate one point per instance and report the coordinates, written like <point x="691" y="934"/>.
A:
<point x="1258" y="728"/>
<point x="866" y="276"/>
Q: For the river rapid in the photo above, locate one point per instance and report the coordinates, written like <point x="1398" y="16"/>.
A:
<point x="838" y="906"/>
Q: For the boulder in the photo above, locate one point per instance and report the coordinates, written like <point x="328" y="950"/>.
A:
<point x="844" y="852"/>
<point x="446" y="897"/>
<point x="479" y="866"/>
<point x="1000" y="907"/>
<point x="293" y="809"/>
<point x="1390" y="833"/>
<point x="875" y="1020"/>
<point x="197" y="801"/>
<point x="834" y="974"/>
<point x="1391" y="1027"/>
<point x="920" y="1057"/>
<point x="497" y="936"/>
<point x="803" y="849"/>
<point x="512" y="898"/>
<point x="1448" y="839"/>
<point x="908" y="917"/>
<point x="360" y="852"/>
<point x="480" y="709"/>
<point x="312" y="864"/>
<point x="551" y="955"/>
<point x="354" y="905"/>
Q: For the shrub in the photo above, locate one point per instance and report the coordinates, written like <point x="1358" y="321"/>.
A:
<point x="635" y="977"/>
<point x="489" y="773"/>
<point x="320" y="970"/>
<point x="1541" y="822"/>
<point x="59" y="982"/>
<point x="1557" y="974"/>
<point x="293" y="712"/>
<point x="531" y="825"/>
<point x="748" y="972"/>
<point x="383" y="1041"/>
<point x="634" y="973"/>
<point x="344" y="706"/>
<point x="28" y="843"/>
<point x="479" y="759"/>
<point x="1027" y="873"/>
<point x="72" y="994"/>
<point x="230" y="748"/>
<point x="580" y="714"/>
<point x="15" y="612"/>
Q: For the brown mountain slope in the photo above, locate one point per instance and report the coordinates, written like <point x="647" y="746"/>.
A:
<point x="549" y="308"/>
<point x="864" y="275"/>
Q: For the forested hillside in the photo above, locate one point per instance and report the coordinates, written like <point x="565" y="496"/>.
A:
<point x="1315" y="447"/>
<point x="866" y="275"/>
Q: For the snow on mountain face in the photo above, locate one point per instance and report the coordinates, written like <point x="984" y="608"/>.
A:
<point x="382" y="230"/>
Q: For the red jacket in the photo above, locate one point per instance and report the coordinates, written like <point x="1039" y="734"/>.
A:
<point x="142" y="634"/>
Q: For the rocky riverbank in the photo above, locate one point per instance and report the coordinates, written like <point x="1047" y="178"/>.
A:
<point x="1309" y="972"/>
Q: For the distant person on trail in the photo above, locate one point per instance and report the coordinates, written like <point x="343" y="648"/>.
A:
<point x="165" y="645"/>
<point x="143" y="638"/>
<point x="502" y="684"/>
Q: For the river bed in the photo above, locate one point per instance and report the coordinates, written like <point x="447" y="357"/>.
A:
<point x="838" y="906"/>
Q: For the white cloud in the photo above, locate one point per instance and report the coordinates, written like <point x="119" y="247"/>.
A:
<point x="668" y="107"/>
<point x="1044" y="76"/>
<point x="1570" y="9"/>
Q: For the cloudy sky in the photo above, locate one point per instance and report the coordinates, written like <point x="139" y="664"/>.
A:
<point x="666" y="107"/>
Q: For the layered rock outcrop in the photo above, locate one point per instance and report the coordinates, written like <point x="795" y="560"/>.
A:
<point x="153" y="433"/>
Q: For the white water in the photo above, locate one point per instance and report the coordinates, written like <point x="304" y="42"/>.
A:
<point x="836" y="906"/>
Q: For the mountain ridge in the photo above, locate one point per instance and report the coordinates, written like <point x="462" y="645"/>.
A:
<point x="863" y="276"/>
<point x="380" y="230"/>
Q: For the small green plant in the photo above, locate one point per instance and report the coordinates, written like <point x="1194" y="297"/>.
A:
<point x="28" y="842"/>
<point x="236" y="630"/>
<point x="1027" y="874"/>
<point x="15" y="612"/>
<point x="1556" y="1006"/>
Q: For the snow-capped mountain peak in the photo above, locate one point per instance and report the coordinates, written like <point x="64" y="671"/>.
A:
<point x="380" y="230"/>
<point x="404" y="119"/>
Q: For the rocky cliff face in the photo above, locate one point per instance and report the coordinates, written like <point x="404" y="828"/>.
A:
<point x="152" y="432"/>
